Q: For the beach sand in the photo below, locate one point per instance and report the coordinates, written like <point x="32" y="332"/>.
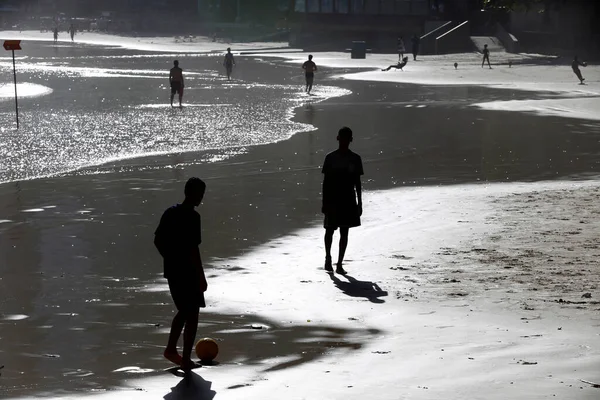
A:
<point x="455" y="289"/>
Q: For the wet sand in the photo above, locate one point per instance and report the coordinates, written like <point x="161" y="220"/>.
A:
<point x="77" y="251"/>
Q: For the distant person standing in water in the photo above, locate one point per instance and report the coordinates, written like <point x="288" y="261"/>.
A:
<point x="575" y="66"/>
<point x="416" y="41"/>
<point x="176" y="82"/>
<point x="486" y="56"/>
<point x="55" y="34"/>
<point x="177" y="239"/>
<point x="401" y="48"/>
<point x="229" y="63"/>
<point x="72" y="32"/>
<point x="309" y="68"/>
<point x="342" y="196"/>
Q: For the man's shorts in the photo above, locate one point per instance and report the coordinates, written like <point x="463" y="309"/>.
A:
<point x="310" y="76"/>
<point x="186" y="293"/>
<point x="345" y="215"/>
<point x="176" y="87"/>
<point x="229" y="68"/>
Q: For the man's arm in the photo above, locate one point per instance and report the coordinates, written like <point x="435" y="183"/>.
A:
<point x="182" y="85"/>
<point x="200" y="269"/>
<point x="170" y="77"/>
<point x="161" y="246"/>
<point x="358" y="185"/>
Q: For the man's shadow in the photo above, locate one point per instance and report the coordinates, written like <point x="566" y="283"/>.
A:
<point x="192" y="386"/>
<point x="356" y="288"/>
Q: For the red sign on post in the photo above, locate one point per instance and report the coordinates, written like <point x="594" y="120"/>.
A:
<point x="12" y="45"/>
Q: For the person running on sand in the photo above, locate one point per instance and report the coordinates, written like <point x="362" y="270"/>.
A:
<point x="229" y="63"/>
<point x="309" y="68"/>
<point x="401" y="48"/>
<point x="177" y="239"/>
<point x="486" y="56"/>
<point x="399" y="66"/>
<point x="176" y="82"/>
<point x="341" y="190"/>
<point x="575" y="65"/>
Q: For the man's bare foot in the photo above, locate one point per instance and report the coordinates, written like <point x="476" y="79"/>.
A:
<point x="187" y="364"/>
<point x="173" y="356"/>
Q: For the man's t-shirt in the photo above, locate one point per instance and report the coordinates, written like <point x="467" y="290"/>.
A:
<point x="229" y="59"/>
<point x="179" y="230"/>
<point x="309" y="67"/>
<point x="341" y="169"/>
<point x="176" y="74"/>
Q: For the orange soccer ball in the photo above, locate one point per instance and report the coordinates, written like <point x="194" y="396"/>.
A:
<point x="207" y="349"/>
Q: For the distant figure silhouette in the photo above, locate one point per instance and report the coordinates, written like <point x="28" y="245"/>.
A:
<point x="399" y="66"/>
<point x="55" y="34"/>
<point x="486" y="56"/>
<point x="416" y="41"/>
<point x="176" y="82"/>
<point x="341" y="190"/>
<point x="455" y="65"/>
<point x="229" y="63"/>
<point x="309" y="68"/>
<point x="575" y="66"/>
<point x="72" y="32"/>
<point x="401" y="48"/>
<point x="177" y="239"/>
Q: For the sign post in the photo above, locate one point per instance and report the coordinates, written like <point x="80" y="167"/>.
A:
<point x="13" y="45"/>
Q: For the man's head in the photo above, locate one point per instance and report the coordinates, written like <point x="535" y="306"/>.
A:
<point x="194" y="191"/>
<point x="310" y="57"/>
<point x="344" y="137"/>
<point x="176" y="63"/>
<point x="229" y="49"/>
<point x="485" y="46"/>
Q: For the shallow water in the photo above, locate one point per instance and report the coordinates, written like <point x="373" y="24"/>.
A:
<point x="78" y="111"/>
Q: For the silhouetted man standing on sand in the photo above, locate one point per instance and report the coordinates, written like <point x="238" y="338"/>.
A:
<point x="177" y="239"/>
<point x="229" y="63"/>
<point x="416" y="41"/>
<point x="341" y="190"/>
<point x="575" y="66"/>
<point x="309" y="68"/>
<point x="486" y="56"/>
<point x="176" y="82"/>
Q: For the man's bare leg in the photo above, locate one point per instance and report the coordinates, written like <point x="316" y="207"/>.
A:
<point x="171" y="353"/>
<point x="328" y="243"/>
<point x="343" y="246"/>
<point x="189" y="336"/>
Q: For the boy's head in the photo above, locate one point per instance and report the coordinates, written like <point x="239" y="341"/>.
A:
<point x="229" y="49"/>
<point x="485" y="46"/>
<point x="344" y="136"/>
<point x="194" y="190"/>
<point x="310" y="57"/>
<point x="176" y="63"/>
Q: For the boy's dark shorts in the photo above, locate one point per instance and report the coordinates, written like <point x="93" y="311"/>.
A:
<point x="342" y="217"/>
<point x="186" y="293"/>
<point x="176" y="88"/>
<point x="310" y="77"/>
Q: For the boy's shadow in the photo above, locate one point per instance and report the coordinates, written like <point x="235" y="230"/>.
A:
<point x="356" y="288"/>
<point x="192" y="386"/>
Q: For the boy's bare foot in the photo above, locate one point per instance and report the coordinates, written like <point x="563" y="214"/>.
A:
<point x="173" y="356"/>
<point x="187" y="364"/>
<point x="339" y="269"/>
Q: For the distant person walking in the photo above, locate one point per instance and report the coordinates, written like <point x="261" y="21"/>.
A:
<point x="416" y="42"/>
<point x="342" y="196"/>
<point x="486" y="56"/>
<point x="309" y="68"/>
<point x="575" y="66"/>
<point x="176" y="82"/>
<point x="72" y="32"/>
<point x="401" y="48"/>
<point x="400" y="65"/>
<point x="229" y="63"/>
<point x="55" y="31"/>
<point x="177" y="239"/>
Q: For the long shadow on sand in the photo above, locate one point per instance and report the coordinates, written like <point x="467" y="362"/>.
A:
<point x="192" y="386"/>
<point x="355" y="288"/>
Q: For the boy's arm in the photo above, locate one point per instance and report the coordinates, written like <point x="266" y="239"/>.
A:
<point x="170" y="77"/>
<point x="182" y="85"/>
<point x="161" y="246"/>
<point x="201" y="275"/>
<point x="358" y="185"/>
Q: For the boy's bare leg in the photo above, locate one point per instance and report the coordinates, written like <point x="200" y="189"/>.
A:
<point x="343" y="246"/>
<point x="189" y="336"/>
<point x="328" y="243"/>
<point x="171" y="353"/>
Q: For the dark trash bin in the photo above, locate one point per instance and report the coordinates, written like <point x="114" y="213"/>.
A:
<point x="359" y="50"/>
